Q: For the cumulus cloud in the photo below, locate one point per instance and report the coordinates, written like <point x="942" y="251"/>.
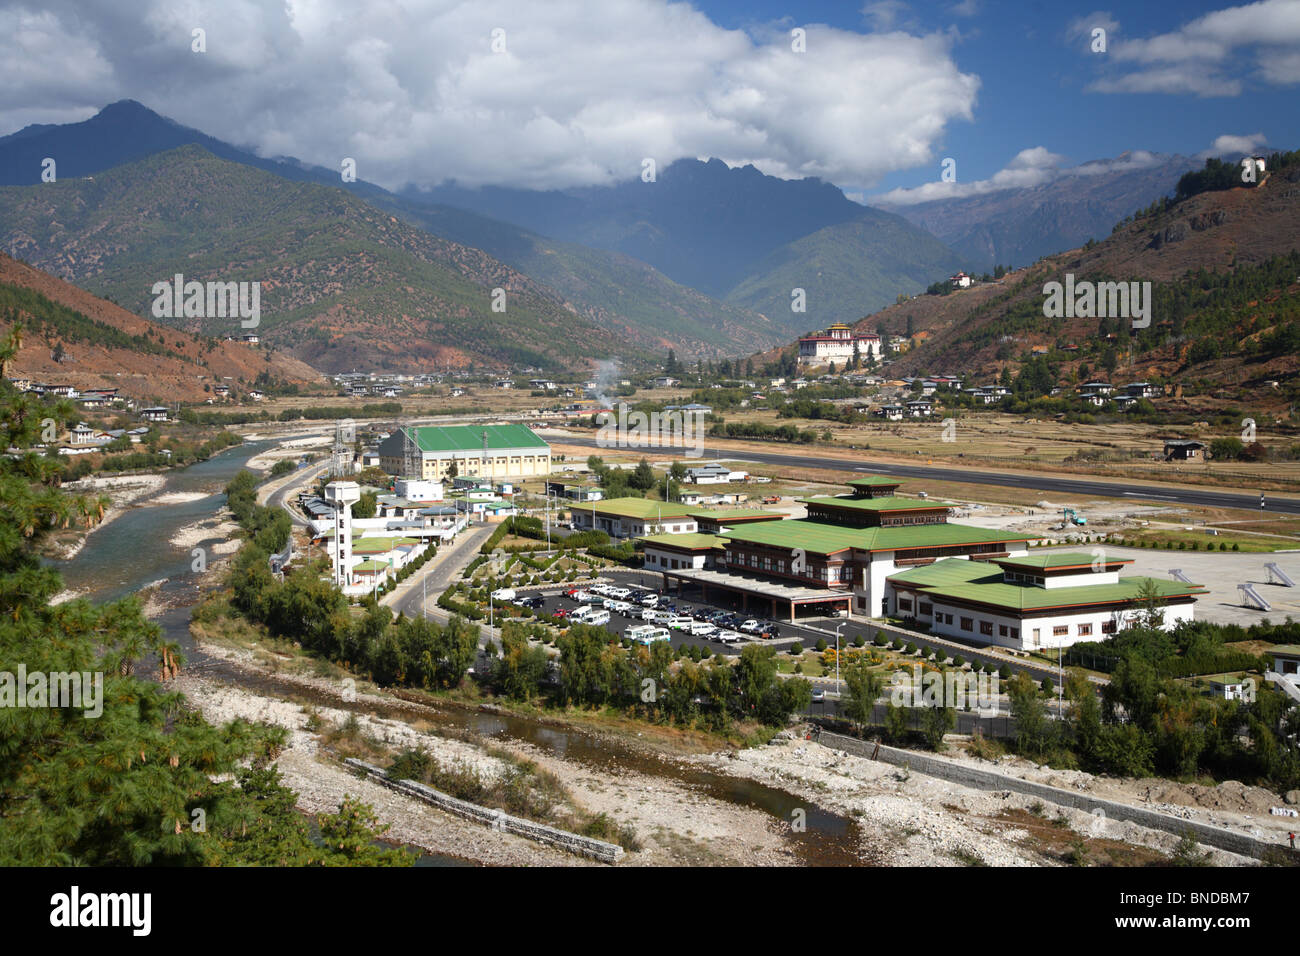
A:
<point x="1219" y="54"/>
<point x="1234" y="146"/>
<point x="1029" y="167"/>
<point x="577" y="92"/>
<point x="1036" y="166"/>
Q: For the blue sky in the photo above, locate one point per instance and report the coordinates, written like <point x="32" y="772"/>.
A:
<point x="1035" y="76"/>
<point x="585" y="92"/>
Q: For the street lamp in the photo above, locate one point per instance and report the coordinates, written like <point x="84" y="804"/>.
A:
<point x="837" y="657"/>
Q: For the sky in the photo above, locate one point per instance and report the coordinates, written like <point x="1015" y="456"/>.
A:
<point x="871" y="97"/>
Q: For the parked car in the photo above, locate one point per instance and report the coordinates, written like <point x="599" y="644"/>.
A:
<point x="621" y="593"/>
<point x="618" y="607"/>
<point x="768" y="631"/>
<point x="649" y="599"/>
<point x="751" y="626"/>
<point x="728" y="637"/>
<point x="533" y="600"/>
<point x="818" y="693"/>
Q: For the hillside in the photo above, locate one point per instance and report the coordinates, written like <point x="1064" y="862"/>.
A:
<point x="104" y="346"/>
<point x="344" y="285"/>
<point x="1221" y="267"/>
<point x="607" y="288"/>
<point x="723" y="231"/>
<point x="846" y="269"/>
<point x="1019" y="226"/>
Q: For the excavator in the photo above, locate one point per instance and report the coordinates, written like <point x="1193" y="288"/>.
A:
<point x="1070" y="516"/>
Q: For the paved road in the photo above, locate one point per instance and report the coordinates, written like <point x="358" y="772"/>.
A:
<point x="438" y="575"/>
<point x="1026" y="479"/>
<point x="280" y="497"/>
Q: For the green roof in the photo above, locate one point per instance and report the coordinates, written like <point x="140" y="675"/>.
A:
<point x="380" y="544"/>
<point x="873" y="481"/>
<point x="948" y="571"/>
<point x="688" y="542"/>
<point x="1288" y="649"/>
<point x="811" y="536"/>
<point x="371" y="566"/>
<point x="724" y="514"/>
<point x="1060" y="559"/>
<point x="820" y="538"/>
<point x="938" y="536"/>
<point x="642" y="508"/>
<point x="1028" y="597"/>
<point x="469" y="438"/>
<point x="890" y="503"/>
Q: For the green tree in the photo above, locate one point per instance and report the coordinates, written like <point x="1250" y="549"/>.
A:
<point x="862" y="687"/>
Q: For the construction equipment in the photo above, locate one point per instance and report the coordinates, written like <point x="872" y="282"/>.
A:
<point x="1070" y="516"/>
<point x="1252" y="597"/>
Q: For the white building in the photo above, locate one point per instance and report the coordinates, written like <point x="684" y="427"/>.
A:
<point x="634" y="517"/>
<point x="838" y="343"/>
<point x="1027" y="603"/>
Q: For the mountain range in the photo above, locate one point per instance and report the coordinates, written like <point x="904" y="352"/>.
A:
<point x="705" y="259"/>
<point x="1223" y="267"/>
<point x="1018" y="226"/>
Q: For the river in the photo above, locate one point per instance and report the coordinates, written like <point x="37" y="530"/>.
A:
<point x="134" y="551"/>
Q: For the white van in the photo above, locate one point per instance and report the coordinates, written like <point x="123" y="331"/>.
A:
<point x="702" y="628"/>
<point x="597" y="617"/>
<point x="647" y="634"/>
<point x="679" y="622"/>
<point x="503" y="594"/>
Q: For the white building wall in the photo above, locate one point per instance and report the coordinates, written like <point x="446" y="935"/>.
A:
<point x="1046" y="637"/>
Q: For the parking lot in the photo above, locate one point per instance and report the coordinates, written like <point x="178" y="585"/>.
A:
<point x="713" y="629"/>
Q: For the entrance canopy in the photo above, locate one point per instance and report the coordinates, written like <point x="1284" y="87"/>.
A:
<point x="783" y="599"/>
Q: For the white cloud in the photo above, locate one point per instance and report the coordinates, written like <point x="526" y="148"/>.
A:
<point x="584" y="91"/>
<point x="1036" y="166"/>
<point x="1234" y="146"/>
<point x="1218" y="54"/>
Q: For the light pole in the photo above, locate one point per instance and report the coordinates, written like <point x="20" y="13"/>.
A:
<point x="837" y="657"/>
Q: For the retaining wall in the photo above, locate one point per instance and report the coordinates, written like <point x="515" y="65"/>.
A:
<point x="572" y="842"/>
<point x="981" y="779"/>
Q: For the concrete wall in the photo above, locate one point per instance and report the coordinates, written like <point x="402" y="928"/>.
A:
<point x="572" y="842"/>
<point x="982" y="779"/>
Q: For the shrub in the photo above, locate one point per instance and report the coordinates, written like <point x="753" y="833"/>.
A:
<point x="796" y="649"/>
<point x="821" y="644"/>
<point x="1004" y="672"/>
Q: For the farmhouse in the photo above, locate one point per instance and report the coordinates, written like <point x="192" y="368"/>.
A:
<point x="1185" y="449"/>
